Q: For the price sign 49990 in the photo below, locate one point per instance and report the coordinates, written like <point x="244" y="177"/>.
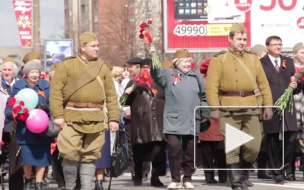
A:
<point x="190" y="30"/>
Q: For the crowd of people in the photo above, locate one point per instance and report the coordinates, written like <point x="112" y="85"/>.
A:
<point x="89" y="100"/>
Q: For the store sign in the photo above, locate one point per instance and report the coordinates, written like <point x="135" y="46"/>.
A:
<point x="23" y="12"/>
<point x="204" y="25"/>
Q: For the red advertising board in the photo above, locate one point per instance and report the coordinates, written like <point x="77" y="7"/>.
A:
<point x="23" y="12"/>
<point x="204" y="25"/>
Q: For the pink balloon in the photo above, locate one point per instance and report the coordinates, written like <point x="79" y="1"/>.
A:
<point x="38" y="121"/>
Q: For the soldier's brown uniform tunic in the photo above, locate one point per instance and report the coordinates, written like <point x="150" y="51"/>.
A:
<point x="225" y="74"/>
<point x="83" y="136"/>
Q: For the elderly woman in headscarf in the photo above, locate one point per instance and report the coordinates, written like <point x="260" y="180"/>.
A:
<point x="184" y="91"/>
<point x="35" y="149"/>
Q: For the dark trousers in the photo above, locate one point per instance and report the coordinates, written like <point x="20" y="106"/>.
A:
<point x="146" y="165"/>
<point x="181" y="155"/>
<point x="57" y="168"/>
<point x="151" y="151"/>
<point x="15" y="168"/>
<point x="213" y="156"/>
<point x="274" y="147"/>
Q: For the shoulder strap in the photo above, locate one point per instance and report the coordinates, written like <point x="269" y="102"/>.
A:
<point x="255" y="86"/>
<point x="87" y="74"/>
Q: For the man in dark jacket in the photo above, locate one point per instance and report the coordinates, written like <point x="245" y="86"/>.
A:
<point x="146" y="102"/>
<point x="279" y="71"/>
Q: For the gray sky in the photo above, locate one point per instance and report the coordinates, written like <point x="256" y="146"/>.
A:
<point x="51" y="22"/>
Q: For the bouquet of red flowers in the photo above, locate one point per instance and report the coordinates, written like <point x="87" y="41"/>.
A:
<point x="146" y="34"/>
<point x="141" y="79"/>
<point x="286" y="101"/>
<point x="19" y="111"/>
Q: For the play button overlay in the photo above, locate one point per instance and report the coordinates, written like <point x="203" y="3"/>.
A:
<point x="235" y="138"/>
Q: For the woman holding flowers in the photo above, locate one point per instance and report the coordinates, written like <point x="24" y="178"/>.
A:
<point x="35" y="149"/>
<point x="184" y="91"/>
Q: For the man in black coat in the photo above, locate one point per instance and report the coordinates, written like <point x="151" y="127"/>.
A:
<point x="279" y="71"/>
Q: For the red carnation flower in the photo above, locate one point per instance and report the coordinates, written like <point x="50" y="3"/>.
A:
<point x="143" y="25"/>
<point x="12" y="102"/>
<point x="192" y="65"/>
<point x="16" y="109"/>
<point x="149" y="21"/>
<point x="25" y="111"/>
<point x="134" y="79"/>
<point x="142" y="82"/>
<point x="21" y="103"/>
<point x="141" y="30"/>
<point x="2" y="143"/>
<point x="141" y="36"/>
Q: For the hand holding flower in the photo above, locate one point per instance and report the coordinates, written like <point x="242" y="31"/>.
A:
<point x="129" y="90"/>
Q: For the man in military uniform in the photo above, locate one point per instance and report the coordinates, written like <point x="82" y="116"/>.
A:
<point x="236" y="78"/>
<point x="81" y="88"/>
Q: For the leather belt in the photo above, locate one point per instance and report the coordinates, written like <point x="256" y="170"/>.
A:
<point x="83" y="105"/>
<point x="238" y="93"/>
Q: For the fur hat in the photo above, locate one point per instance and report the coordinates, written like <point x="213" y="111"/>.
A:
<point x="87" y="37"/>
<point x="31" y="65"/>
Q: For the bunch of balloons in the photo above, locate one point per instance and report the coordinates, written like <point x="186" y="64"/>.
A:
<point x="37" y="120"/>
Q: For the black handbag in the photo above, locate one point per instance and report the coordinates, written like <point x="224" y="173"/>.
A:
<point x="119" y="158"/>
<point x="51" y="131"/>
<point x="204" y="126"/>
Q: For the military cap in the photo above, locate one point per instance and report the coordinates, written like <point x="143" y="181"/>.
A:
<point x="257" y="49"/>
<point x="87" y="37"/>
<point x="182" y="53"/>
<point x="297" y="47"/>
<point x="146" y="62"/>
<point x="8" y="59"/>
<point x="238" y="28"/>
<point x="166" y="65"/>
<point x="31" y="56"/>
<point x="135" y="60"/>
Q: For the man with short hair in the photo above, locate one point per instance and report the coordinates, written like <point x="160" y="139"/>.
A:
<point x="279" y="70"/>
<point x="81" y="88"/>
<point x="236" y="78"/>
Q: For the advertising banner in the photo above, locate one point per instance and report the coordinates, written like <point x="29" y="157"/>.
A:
<point x="56" y="50"/>
<point x="23" y="13"/>
<point x="204" y="25"/>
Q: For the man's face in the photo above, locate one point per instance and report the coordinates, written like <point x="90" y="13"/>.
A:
<point x="8" y="72"/>
<point x="90" y="50"/>
<point x="134" y="69"/>
<point x="275" y="47"/>
<point x="299" y="56"/>
<point x="238" y="42"/>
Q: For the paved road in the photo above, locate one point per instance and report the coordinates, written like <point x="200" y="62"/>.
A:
<point x="124" y="183"/>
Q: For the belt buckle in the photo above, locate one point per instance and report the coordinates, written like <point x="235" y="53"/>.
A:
<point x="242" y="93"/>
<point x="90" y="105"/>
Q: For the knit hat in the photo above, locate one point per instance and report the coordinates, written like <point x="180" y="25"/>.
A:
<point x="31" y="65"/>
<point x="87" y="37"/>
<point x="238" y="28"/>
<point x="297" y="47"/>
<point x="31" y="56"/>
<point x="257" y="49"/>
<point x="204" y="66"/>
